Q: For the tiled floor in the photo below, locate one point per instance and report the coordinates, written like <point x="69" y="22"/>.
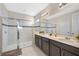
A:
<point x="32" y="51"/>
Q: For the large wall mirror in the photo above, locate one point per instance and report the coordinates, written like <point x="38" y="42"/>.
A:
<point x="66" y="24"/>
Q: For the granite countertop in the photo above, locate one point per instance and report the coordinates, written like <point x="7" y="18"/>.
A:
<point x="60" y="38"/>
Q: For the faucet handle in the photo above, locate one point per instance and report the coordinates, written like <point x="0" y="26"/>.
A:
<point x="72" y="33"/>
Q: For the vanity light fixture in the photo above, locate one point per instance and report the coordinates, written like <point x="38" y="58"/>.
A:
<point x="44" y="14"/>
<point x="61" y="5"/>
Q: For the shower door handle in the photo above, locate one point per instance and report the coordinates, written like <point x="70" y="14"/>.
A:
<point x="18" y="35"/>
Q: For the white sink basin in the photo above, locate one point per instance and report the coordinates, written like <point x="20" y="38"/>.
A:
<point x="58" y="37"/>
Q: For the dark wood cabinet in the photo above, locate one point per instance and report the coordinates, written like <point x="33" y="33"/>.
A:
<point x="66" y="53"/>
<point x="45" y="45"/>
<point x="54" y="50"/>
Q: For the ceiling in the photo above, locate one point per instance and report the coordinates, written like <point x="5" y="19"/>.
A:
<point x="31" y="9"/>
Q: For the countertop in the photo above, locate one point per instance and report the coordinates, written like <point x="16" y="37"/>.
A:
<point x="60" y="38"/>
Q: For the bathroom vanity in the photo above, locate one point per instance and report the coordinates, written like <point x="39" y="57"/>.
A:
<point x="56" y="46"/>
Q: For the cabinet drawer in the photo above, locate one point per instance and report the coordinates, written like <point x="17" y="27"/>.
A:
<point x="45" y="39"/>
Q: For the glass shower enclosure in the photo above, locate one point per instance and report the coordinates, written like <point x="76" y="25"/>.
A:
<point x="17" y="33"/>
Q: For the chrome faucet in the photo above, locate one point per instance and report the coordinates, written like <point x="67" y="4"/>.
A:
<point x="55" y="34"/>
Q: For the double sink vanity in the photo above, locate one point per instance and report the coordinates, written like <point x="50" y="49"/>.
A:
<point x="56" y="46"/>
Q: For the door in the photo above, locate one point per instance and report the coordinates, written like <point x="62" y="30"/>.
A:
<point x="25" y="33"/>
<point x="9" y="29"/>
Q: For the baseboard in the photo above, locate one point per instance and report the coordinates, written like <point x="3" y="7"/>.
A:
<point x="14" y="46"/>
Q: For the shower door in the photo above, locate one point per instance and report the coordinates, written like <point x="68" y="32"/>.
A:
<point x="25" y="33"/>
<point x="9" y="34"/>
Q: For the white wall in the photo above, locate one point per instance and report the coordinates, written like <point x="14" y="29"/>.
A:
<point x="3" y="13"/>
<point x="19" y="15"/>
<point x="3" y="10"/>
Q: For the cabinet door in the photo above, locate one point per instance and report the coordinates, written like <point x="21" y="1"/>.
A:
<point x="66" y="53"/>
<point x="45" y="46"/>
<point x="39" y="42"/>
<point x="54" y="50"/>
<point x="36" y="40"/>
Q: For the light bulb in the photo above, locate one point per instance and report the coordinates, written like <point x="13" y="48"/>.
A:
<point x="37" y="20"/>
